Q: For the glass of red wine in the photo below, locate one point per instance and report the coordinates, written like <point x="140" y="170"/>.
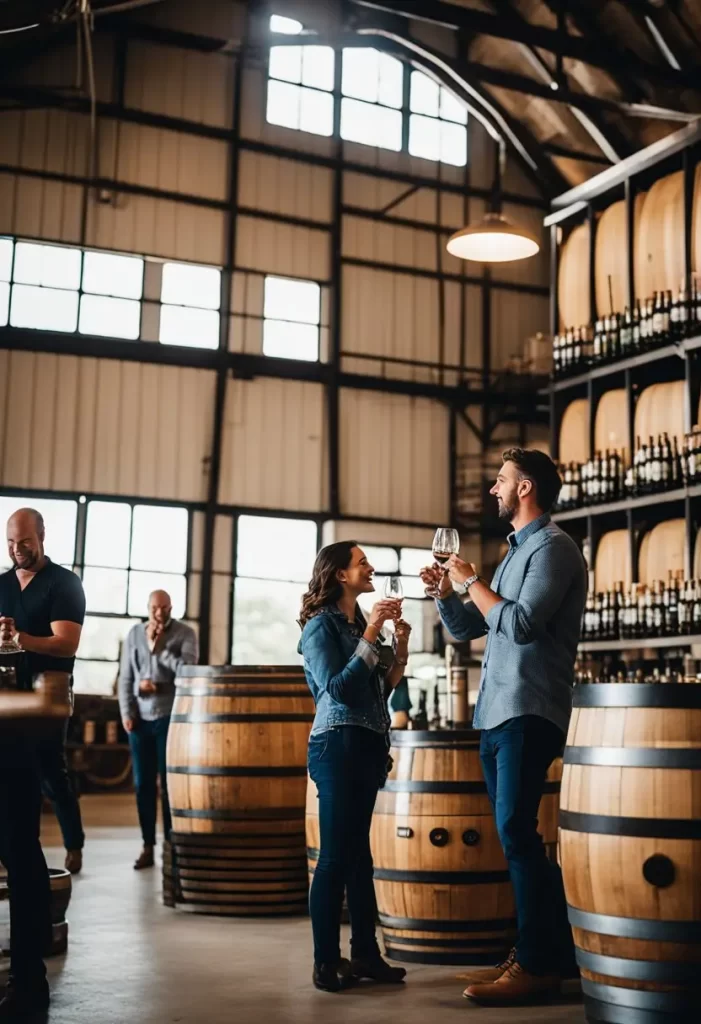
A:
<point x="445" y="543"/>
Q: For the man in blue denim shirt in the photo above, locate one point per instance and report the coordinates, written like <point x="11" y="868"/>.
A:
<point x="532" y="617"/>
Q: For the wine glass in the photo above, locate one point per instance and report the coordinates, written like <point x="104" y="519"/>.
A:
<point x="8" y="645"/>
<point x="446" y="542"/>
<point x="393" y="589"/>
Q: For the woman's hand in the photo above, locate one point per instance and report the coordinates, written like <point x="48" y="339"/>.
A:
<point x="383" y="610"/>
<point x="402" y="631"/>
<point x="436" y="581"/>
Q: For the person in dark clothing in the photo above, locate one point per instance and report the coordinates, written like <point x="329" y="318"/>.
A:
<point x="57" y="786"/>
<point x="42" y="606"/>
<point x="348" y="754"/>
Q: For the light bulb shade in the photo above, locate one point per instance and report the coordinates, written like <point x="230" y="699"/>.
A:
<point x="494" y="240"/>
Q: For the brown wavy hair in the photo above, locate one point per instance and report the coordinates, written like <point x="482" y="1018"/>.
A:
<point x="324" y="588"/>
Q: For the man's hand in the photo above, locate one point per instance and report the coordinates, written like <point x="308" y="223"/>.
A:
<point x="147" y="687"/>
<point x="154" y="636"/>
<point x="436" y="581"/>
<point x="458" y="570"/>
<point x="128" y="724"/>
<point x="7" y="629"/>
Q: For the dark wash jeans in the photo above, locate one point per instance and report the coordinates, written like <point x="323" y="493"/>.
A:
<point x="148" y="757"/>
<point x="348" y="765"/>
<point x="57" y="785"/>
<point x="21" y="853"/>
<point x="515" y="758"/>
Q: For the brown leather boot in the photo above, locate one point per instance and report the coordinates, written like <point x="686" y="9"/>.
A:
<point x="483" y="975"/>
<point x="74" y="861"/>
<point x="145" y="859"/>
<point x="515" y="986"/>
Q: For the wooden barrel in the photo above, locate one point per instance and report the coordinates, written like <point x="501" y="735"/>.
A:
<point x="610" y="261"/>
<point x="613" y="561"/>
<point x="574" y="432"/>
<point x="659" y="238"/>
<point x="663" y="549"/>
<point x="237" y="755"/>
<point x="442" y="885"/>
<point x="573" y="279"/>
<point x="660" y="409"/>
<point x="611" y="422"/>
<point x="630" y="849"/>
<point x="61" y="889"/>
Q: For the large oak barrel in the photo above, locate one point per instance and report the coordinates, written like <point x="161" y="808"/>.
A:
<point x="237" y="754"/>
<point x="574" y="432"/>
<point x="573" y="279"/>
<point x="662" y="550"/>
<point x="611" y="421"/>
<point x="630" y="850"/>
<point x="61" y="889"/>
<point x="660" y="409"/>
<point x="659" y="238"/>
<point x="613" y="560"/>
<point x="442" y="885"/>
<point x="610" y="256"/>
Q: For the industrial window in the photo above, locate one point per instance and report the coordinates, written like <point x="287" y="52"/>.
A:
<point x="300" y="83"/>
<point x="60" y="516"/>
<point x="437" y="122"/>
<point x="45" y="287"/>
<point x="406" y="563"/>
<point x="111" y="301"/>
<point x="190" y="300"/>
<point x="371" y="104"/>
<point x="291" y="312"/>
<point x="274" y="559"/>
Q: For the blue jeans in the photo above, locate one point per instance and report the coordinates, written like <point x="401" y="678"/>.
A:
<point x="515" y="759"/>
<point x="348" y="765"/>
<point x="58" y="787"/>
<point x="148" y="756"/>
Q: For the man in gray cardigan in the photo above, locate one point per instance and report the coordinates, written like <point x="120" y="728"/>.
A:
<point x="151" y="657"/>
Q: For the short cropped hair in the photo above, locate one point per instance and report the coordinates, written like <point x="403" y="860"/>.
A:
<point x="540" y="469"/>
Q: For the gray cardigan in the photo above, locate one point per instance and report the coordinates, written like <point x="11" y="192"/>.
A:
<point x="138" y="663"/>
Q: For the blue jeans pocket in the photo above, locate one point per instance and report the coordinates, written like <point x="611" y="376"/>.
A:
<point x="318" y="746"/>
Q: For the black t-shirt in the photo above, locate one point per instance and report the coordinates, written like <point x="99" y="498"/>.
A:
<point x="54" y="595"/>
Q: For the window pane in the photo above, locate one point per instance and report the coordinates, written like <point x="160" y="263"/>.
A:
<point x="453" y="144"/>
<point x="159" y="538"/>
<point x="452" y="108"/>
<point x="141" y="584"/>
<point x="194" y="328"/>
<point x="413" y="560"/>
<point x="110" y="318"/>
<point x="290" y="26"/>
<point x="287" y="299"/>
<point x="275" y="549"/>
<point x="290" y="341"/>
<point x="361" y="74"/>
<point x="5" y="258"/>
<point x="51" y="265"/>
<point x="316" y="112"/>
<point x="265" y="626"/>
<point x="98" y="677"/>
<point x="413" y="587"/>
<point x="317" y="66"/>
<point x="383" y="560"/>
<point x="186" y="284"/>
<point x="286" y="63"/>
<point x="391" y="81"/>
<point x="389" y="128"/>
<point x="424" y="137"/>
<point x="4" y="303"/>
<point x="105" y="590"/>
<point x="45" y="309"/>
<point x="106" y="273"/>
<point x="59" y="521"/>
<point x="371" y="125"/>
<point x="424" y="94"/>
<point x="107" y="534"/>
<point x="283" y="104"/>
<point x="102" y="638"/>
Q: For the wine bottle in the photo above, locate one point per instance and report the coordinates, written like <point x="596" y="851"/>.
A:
<point x="635" y="328"/>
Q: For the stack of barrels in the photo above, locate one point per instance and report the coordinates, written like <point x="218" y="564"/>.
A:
<point x="237" y="751"/>
<point x="630" y="849"/>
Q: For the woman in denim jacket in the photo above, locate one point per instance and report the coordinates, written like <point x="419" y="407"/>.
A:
<point x="350" y="674"/>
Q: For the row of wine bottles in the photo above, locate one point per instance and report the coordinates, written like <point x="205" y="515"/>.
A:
<point x="669" y="675"/>
<point x="651" y="323"/>
<point x="657" y="466"/>
<point x="663" y="609"/>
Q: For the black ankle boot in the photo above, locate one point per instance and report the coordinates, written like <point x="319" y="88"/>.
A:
<point x="333" y="977"/>
<point x="377" y="969"/>
<point x="24" y="1002"/>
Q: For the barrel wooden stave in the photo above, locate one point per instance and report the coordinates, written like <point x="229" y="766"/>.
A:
<point x="611" y="421"/>
<point x="613" y="561"/>
<point x="659" y="239"/>
<point x="574" y="432"/>
<point x="573" y="279"/>
<point x="648" y="924"/>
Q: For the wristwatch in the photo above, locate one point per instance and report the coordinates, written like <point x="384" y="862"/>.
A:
<point x="462" y="588"/>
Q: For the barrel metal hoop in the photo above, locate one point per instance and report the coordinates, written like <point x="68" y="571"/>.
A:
<point x="636" y="695"/>
<point x="402" y="940"/>
<point x="641" y="828"/>
<point x="444" y="877"/>
<point x="230" y="673"/>
<point x="607" y="1013"/>
<point x="635" y="927"/>
<point x="184" y="690"/>
<point x="457" y="959"/>
<point x="222" y="814"/>
<point x="198" y="719"/>
<point x="238" y="771"/>
<point x="634" y="757"/>
<point x="640" y="1000"/>
<point x="474" y="788"/>
<point x="638" y="970"/>
<point x="423" y="925"/>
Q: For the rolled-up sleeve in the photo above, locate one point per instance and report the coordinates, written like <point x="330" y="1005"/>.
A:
<point x="346" y="682"/>
<point x="463" y="621"/>
<point x="551" y="572"/>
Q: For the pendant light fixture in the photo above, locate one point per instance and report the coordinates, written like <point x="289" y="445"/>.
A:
<point x="494" y="239"/>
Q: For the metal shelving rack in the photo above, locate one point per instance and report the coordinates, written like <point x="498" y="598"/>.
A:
<point x="673" y="362"/>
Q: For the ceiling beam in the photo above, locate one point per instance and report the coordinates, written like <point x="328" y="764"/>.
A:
<point x="589" y="51"/>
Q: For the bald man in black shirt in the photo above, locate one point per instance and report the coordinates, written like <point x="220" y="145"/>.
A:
<point x="42" y="606"/>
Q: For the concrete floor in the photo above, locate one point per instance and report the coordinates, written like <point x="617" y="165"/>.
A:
<point x="132" y="959"/>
